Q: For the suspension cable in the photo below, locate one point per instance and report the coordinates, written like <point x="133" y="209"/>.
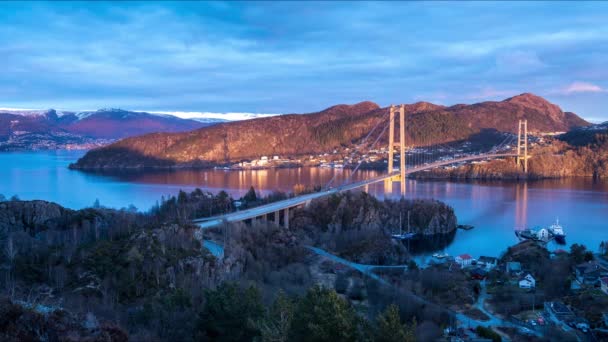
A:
<point x="359" y="145"/>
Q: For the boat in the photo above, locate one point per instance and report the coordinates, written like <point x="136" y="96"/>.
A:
<point x="557" y="231"/>
<point x="405" y="236"/>
<point x="465" y="226"/>
<point x="401" y="235"/>
<point x="541" y="234"/>
<point x="440" y="255"/>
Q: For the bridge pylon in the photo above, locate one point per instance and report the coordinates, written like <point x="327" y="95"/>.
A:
<point x="522" y="145"/>
<point x="391" y="144"/>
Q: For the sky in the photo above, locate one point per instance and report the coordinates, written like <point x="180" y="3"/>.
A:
<point x="298" y="57"/>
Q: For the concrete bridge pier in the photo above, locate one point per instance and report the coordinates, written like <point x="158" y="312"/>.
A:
<point x="286" y="218"/>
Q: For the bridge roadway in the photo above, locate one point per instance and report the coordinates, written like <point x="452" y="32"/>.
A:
<point x="274" y="207"/>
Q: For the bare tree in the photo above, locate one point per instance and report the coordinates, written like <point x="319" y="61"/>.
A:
<point x="11" y="253"/>
<point x="11" y="250"/>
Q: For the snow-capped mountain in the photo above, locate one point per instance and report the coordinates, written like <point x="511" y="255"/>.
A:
<point x="215" y="116"/>
<point x="23" y="129"/>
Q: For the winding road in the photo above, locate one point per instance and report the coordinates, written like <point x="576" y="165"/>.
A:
<point x="367" y="270"/>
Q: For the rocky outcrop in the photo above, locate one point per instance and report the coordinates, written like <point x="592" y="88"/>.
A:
<point x="557" y="160"/>
<point x="30" y="216"/>
<point x="358" y="227"/>
<point x="22" y="322"/>
<point x="56" y="225"/>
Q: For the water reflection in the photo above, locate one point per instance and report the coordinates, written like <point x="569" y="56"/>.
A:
<point x="237" y="182"/>
<point x="494" y="208"/>
<point x="521" y="205"/>
<point x="427" y="245"/>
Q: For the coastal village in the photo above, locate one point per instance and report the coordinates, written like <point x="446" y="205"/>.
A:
<point x="531" y="291"/>
<point x="371" y="158"/>
<point x="376" y="158"/>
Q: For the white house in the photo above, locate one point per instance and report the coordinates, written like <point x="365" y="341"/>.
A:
<point x="488" y="262"/>
<point x="528" y="282"/>
<point x="464" y="260"/>
<point x="543" y="234"/>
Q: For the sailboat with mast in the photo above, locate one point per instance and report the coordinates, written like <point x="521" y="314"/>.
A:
<point x="404" y="236"/>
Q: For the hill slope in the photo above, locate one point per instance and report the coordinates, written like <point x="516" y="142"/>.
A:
<point x="582" y="136"/>
<point x="341" y="125"/>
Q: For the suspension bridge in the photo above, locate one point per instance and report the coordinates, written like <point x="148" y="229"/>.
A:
<point x="279" y="211"/>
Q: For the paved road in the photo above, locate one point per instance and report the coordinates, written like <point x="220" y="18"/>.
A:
<point x="216" y="249"/>
<point x="483" y="295"/>
<point x="262" y="210"/>
<point x="466" y="320"/>
<point x="365" y="269"/>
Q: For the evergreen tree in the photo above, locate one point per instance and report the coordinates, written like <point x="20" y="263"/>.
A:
<point x="577" y="253"/>
<point x="230" y="314"/>
<point x="275" y="326"/>
<point x="250" y="196"/>
<point x="223" y="202"/>
<point x="323" y="316"/>
<point x="390" y="328"/>
<point x="182" y="197"/>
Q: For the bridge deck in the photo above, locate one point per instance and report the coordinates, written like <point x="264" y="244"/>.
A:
<point x="299" y="200"/>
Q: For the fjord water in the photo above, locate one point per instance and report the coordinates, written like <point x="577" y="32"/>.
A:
<point x="494" y="208"/>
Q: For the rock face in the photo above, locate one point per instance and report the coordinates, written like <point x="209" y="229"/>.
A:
<point x="30" y="216"/>
<point x="342" y="125"/>
<point x="358" y="227"/>
<point x="557" y="160"/>
<point x="97" y="256"/>
<point x="21" y="323"/>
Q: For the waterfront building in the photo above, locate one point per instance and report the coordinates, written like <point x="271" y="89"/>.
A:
<point x="464" y="260"/>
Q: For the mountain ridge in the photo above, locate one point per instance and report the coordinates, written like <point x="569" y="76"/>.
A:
<point x="337" y="126"/>
<point x="50" y="129"/>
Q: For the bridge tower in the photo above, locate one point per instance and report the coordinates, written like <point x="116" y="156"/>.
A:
<point x="391" y="144"/>
<point x="522" y="145"/>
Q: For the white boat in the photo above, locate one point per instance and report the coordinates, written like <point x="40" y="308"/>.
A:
<point x="557" y="231"/>
<point x="440" y="255"/>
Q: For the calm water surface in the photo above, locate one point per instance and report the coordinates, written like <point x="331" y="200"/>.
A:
<point x="494" y="208"/>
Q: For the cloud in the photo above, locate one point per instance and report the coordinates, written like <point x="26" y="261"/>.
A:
<point x="245" y="57"/>
<point x="519" y="62"/>
<point x="582" y="87"/>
